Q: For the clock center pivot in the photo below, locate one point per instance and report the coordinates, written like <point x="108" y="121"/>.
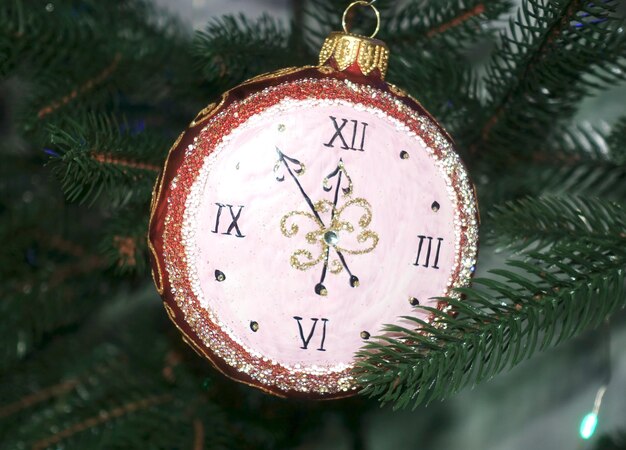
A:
<point x="331" y="238"/>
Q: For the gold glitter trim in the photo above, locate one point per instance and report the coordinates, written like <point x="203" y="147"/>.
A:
<point x="156" y="191"/>
<point x="346" y="49"/>
<point x="170" y="311"/>
<point x="209" y="111"/>
<point x="396" y="90"/>
<point x="158" y="282"/>
<point x="276" y="74"/>
<point x="326" y="70"/>
<point x="201" y="353"/>
<point x="212" y="108"/>
<point x="156" y="198"/>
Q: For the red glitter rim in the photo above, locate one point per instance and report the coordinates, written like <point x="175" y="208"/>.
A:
<point x="276" y="378"/>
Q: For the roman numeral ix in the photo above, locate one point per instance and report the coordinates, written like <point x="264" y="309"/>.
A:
<point x="234" y="217"/>
<point x="356" y="139"/>
<point x="307" y="340"/>
<point x="425" y="252"/>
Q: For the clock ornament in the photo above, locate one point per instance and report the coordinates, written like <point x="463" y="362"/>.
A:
<point x="301" y="212"/>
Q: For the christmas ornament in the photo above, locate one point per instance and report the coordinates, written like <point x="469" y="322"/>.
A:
<point x="303" y="211"/>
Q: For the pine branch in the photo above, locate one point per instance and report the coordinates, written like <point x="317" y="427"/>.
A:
<point x="577" y="160"/>
<point x="537" y="223"/>
<point x="80" y="90"/>
<point x="455" y="24"/>
<point x="100" y="156"/>
<point x="124" y="242"/>
<point x="105" y="384"/>
<point x="540" y="301"/>
<point x="48" y="278"/>
<point x="233" y="49"/>
<point x="557" y="53"/>
<point x="616" y="142"/>
<point x="123" y="56"/>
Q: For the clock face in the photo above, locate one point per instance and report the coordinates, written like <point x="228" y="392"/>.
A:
<point x="295" y="232"/>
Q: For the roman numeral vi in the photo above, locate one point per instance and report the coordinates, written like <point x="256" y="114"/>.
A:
<point x="354" y="137"/>
<point x="307" y="340"/>
<point x="425" y="252"/>
<point x="234" y="217"/>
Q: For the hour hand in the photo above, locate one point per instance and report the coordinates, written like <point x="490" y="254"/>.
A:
<point x="295" y="168"/>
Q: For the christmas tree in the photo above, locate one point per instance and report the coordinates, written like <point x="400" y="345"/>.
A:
<point x="92" y="95"/>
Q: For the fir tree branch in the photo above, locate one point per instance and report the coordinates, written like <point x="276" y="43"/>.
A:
<point x="99" y="157"/>
<point x="100" y="419"/>
<point x="198" y="431"/>
<point x="577" y="160"/>
<point x="539" y="302"/>
<point x="233" y="49"/>
<point x="124" y="242"/>
<point x="540" y="222"/>
<point x="544" y="68"/>
<point x="616" y="142"/>
<point x="124" y="163"/>
<point x="82" y="89"/>
<point x="456" y="21"/>
<point x="545" y="32"/>
<point x="42" y="395"/>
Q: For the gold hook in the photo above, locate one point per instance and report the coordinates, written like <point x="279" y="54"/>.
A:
<point x="361" y="3"/>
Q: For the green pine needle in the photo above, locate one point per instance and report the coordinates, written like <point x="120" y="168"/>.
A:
<point x="551" y="294"/>
<point x="233" y="49"/>
<point x="98" y="156"/>
<point x="553" y="55"/>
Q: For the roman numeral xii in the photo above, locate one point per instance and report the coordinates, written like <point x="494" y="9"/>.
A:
<point x="351" y="134"/>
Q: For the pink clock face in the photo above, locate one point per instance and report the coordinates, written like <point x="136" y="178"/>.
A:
<point x="313" y="223"/>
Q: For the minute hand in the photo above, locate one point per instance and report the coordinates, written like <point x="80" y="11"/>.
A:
<point x="283" y="158"/>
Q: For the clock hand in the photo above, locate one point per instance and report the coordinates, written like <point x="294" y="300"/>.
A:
<point x="284" y="158"/>
<point x="354" y="280"/>
<point x="320" y="289"/>
<point x="338" y="172"/>
<point x="332" y="217"/>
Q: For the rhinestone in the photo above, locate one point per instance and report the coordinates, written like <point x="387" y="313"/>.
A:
<point x="331" y="238"/>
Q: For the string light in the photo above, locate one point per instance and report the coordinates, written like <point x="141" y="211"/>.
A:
<point x="590" y="421"/>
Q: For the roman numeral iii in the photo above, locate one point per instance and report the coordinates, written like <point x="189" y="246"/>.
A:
<point x="351" y="134"/>
<point x="234" y="217"/>
<point x="428" y="252"/>
<point x="307" y="340"/>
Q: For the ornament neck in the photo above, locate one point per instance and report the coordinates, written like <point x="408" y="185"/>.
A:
<point x="357" y="54"/>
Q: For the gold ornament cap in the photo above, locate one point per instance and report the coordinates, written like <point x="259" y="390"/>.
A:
<point x="354" y="53"/>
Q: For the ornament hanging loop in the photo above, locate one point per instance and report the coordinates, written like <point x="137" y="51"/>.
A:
<point x="361" y="3"/>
